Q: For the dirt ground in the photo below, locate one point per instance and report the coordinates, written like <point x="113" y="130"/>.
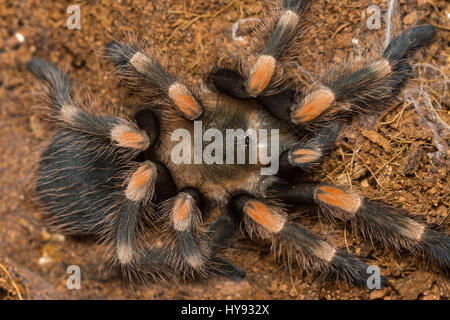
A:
<point x="394" y="157"/>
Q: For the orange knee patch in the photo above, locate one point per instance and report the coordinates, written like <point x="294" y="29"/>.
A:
<point x="265" y="216"/>
<point x="260" y="75"/>
<point x="299" y="156"/>
<point x="184" y="101"/>
<point x="313" y="105"/>
<point x="181" y="212"/>
<point x="338" y="198"/>
<point x="139" y="184"/>
<point x="129" y="137"/>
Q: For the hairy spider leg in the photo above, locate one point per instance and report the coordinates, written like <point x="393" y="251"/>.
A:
<point x="141" y="67"/>
<point x="263" y="220"/>
<point x="372" y="87"/>
<point x="374" y="221"/>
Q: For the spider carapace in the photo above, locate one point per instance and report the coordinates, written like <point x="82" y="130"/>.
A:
<point x="236" y="145"/>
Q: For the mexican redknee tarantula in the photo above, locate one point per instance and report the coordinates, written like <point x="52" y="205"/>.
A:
<point x="112" y="177"/>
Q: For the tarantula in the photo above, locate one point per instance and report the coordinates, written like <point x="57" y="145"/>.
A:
<point x="115" y="177"/>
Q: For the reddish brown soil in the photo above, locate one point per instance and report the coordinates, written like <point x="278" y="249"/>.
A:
<point x="392" y="163"/>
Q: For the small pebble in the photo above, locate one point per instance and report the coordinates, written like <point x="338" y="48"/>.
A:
<point x="45" y="260"/>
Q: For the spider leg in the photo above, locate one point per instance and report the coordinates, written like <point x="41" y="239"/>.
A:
<point x="220" y="233"/>
<point x="189" y="247"/>
<point x="140" y="187"/>
<point x="143" y="69"/>
<point x="372" y="220"/>
<point x="78" y="161"/>
<point x="370" y="87"/>
<point x="261" y="76"/>
<point x="266" y="67"/>
<point x="261" y="219"/>
<point x="121" y="132"/>
<point x="231" y="83"/>
<point x="357" y="87"/>
<point x="75" y="180"/>
<point x="308" y="153"/>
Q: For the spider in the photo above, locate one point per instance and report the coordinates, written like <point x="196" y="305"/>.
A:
<point x="115" y="177"/>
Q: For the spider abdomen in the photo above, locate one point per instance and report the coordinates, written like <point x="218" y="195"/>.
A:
<point x="77" y="180"/>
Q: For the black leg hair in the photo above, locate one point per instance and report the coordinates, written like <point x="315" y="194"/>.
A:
<point x="60" y="87"/>
<point x="117" y="223"/>
<point x="373" y="220"/>
<point x="263" y="220"/>
<point x="370" y="88"/>
<point x="264" y="72"/>
<point x="141" y="68"/>
<point x="80" y="185"/>
<point x="77" y="161"/>
<point x="288" y="26"/>
<point x="151" y="264"/>
<point x="225" y="268"/>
